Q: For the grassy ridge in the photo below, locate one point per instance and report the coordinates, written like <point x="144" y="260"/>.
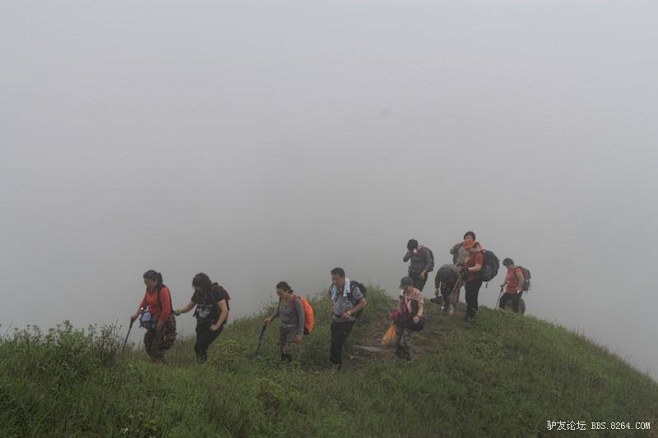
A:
<point x="505" y="375"/>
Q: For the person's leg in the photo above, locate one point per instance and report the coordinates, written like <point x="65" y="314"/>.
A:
<point x="204" y="337"/>
<point x="148" y="341"/>
<point x="285" y="339"/>
<point x="157" y="350"/>
<point x="503" y="301"/>
<point x="339" y="333"/>
<point x="470" y="299"/>
<point x="516" y="298"/>
<point x="445" y="293"/>
<point x="477" y="284"/>
<point x="401" y="346"/>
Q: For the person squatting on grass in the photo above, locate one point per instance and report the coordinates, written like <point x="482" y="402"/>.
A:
<point x="408" y="316"/>
<point x="420" y="264"/>
<point x="211" y="301"/>
<point x="346" y="299"/>
<point x="513" y="283"/>
<point x="155" y="314"/>
<point x="291" y="313"/>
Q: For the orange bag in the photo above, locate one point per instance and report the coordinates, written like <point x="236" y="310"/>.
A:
<point x="389" y="336"/>
<point x="309" y="321"/>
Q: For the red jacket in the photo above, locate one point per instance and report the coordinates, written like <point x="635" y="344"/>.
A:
<point x="474" y="259"/>
<point x="160" y="309"/>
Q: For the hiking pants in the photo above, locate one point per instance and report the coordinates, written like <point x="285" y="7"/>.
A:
<point x="419" y="283"/>
<point x="339" y="333"/>
<point x="516" y="299"/>
<point x="472" y="292"/>
<point x="446" y="294"/>
<point x="153" y="345"/>
<point x="287" y="342"/>
<point x="204" y="337"/>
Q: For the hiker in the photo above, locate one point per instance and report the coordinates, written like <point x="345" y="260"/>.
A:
<point x="155" y="315"/>
<point x="293" y="317"/>
<point x="211" y="301"/>
<point x="513" y="284"/>
<point x="471" y="274"/>
<point x="447" y="284"/>
<point x="408" y="316"/>
<point x="421" y="262"/>
<point x="347" y="299"/>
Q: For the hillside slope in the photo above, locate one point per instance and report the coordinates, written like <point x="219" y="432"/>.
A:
<point x="505" y="375"/>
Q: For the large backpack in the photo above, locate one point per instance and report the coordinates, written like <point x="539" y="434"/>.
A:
<point x="432" y="260"/>
<point x="490" y="266"/>
<point x="526" y="279"/>
<point x="354" y="284"/>
<point x="309" y="320"/>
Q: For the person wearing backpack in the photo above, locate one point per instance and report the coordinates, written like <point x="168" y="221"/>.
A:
<point x="347" y="299"/>
<point x="408" y="316"/>
<point x="422" y="262"/>
<point x="514" y="285"/>
<point x="211" y="301"/>
<point x="293" y="318"/>
<point x="471" y="274"/>
<point x="155" y="315"/>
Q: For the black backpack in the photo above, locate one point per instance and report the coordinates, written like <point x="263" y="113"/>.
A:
<point x="354" y="284"/>
<point x="432" y="260"/>
<point x="489" y="266"/>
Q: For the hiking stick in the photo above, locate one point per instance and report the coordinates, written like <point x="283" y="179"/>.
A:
<point x="498" y="300"/>
<point x="260" y="339"/>
<point x="127" y="334"/>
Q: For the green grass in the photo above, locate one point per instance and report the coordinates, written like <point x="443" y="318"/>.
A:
<point x="505" y="375"/>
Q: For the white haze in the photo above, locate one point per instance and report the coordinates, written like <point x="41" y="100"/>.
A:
<point x="274" y="141"/>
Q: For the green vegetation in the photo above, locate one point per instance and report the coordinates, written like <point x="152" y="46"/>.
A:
<point x="505" y="375"/>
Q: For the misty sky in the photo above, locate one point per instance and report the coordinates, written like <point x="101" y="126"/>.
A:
<point x="260" y="142"/>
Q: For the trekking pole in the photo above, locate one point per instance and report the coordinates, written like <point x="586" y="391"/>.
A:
<point x="498" y="300"/>
<point x="127" y="334"/>
<point x="260" y="339"/>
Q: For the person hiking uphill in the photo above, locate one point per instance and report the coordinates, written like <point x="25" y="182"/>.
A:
<point x="211" y="301"/>
<point x="421" y="263"/>
<point x="293" y="318"/>
<point x="346" y="299"/>
<point x="513" y="284"/>
<point x="155" y="315"/>
<point x="472" y="279"/>
<point x="408" y="316"/>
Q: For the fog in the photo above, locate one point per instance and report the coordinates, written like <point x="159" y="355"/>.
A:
<point x="275" y="141"/>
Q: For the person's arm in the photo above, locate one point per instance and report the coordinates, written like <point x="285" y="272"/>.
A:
<point x="186" y="308"/>
<point x="274" y="315"/>
<point x="419" y="313"/>
<point x="479" y="259"/>
<point x="223" y="314"/>
<point x="407" y="256"/>
<point x="135" y="315"/>
<point x="359" y="305"/>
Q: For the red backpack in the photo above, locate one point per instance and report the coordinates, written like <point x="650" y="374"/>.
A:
<point x="309" y="321"/>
